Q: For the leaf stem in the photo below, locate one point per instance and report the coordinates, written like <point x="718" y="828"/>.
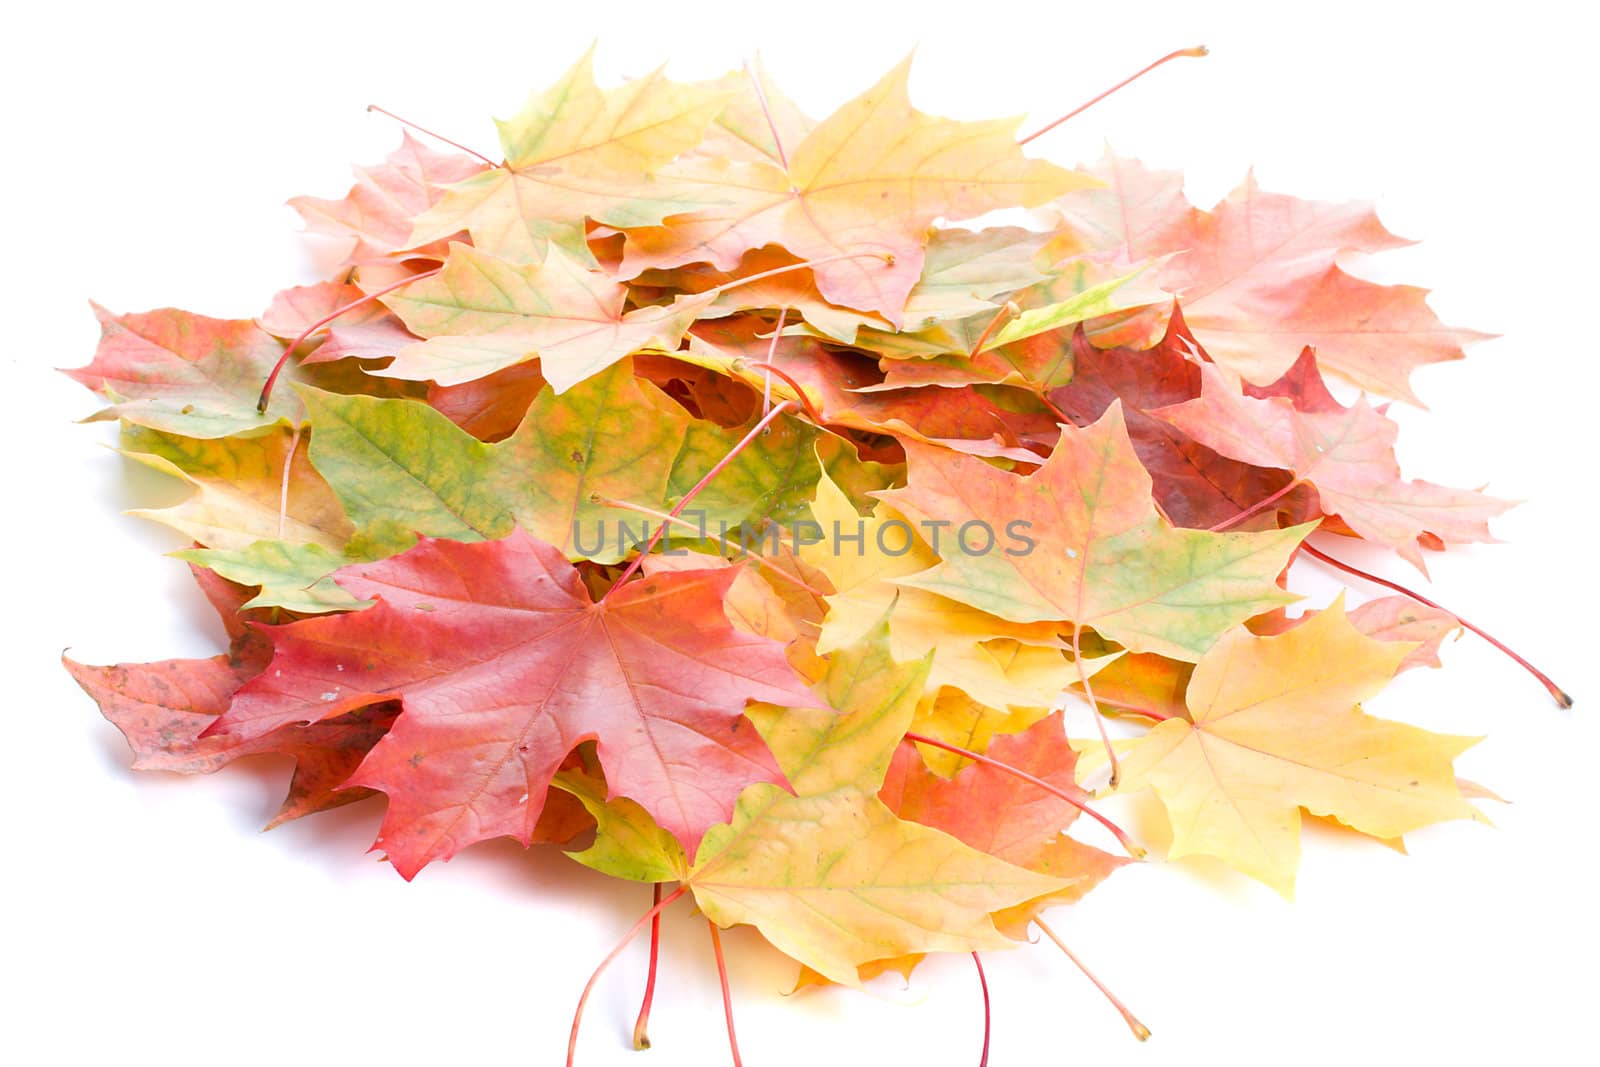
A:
<point x="1140" y="1030"/>
<point x="677" y="509"/>
<point x="1257" y="506"/>
<point x="429" y="133"/>
<point x="811" y="412"/>
<point x="772" y="355"/>
<point x="766" y="113"/>
<point x="1124" y="706"/>
<point x="283" y="486"/>
<point x="1556" y="692"/>
<point x="1094" y="706"/>
<point x="792" y="267"/>
<point x="1196" y="52"/>
<point x="727" y="998"/>
<point x="1055" y="409"/>
<point x="1009" y="311"/>
<point x="1123" y="839"/>
<point x="759" y="559"/>
<point x="641" y="509"/>
<point x="641" y="1026"/>
<point x="277" y="368"/>
<point x="577" y="1016"/>
<point x="983" y="984"/>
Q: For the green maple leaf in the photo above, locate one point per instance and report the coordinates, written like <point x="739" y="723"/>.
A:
<point x="401" y="469"/>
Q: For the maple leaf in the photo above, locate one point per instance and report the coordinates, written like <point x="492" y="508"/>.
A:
<point x="771" y="478"/>
<point x="503" y="664"/>
<point x="376" y="214"/>
<point x="1144" y="683"/>
<point x="1422" y="628"/>
<point x="574" y="151"/>
<point x="964" y="270"/>
<point x="1260" y="278"/>
<point x="377" y="340"/>
<point x="341" y="318"/>
<point x="1347" y="454"/>
<point x="1194" y="485"/>
<point x="299" y="308"/>
<point x="752" y="605"/>
<point x="866" y="183"/>
<point x="288" y="575"/>
<point x="1033" y="349"/>
<point x="163" y="709"/>
<point x="186" y="374"/>
<point x="970" y="473"/>
<point x="1104" y="558"/>
<point x="1302" y="385"/>
<point x="400" y="468"/>
<point x="627" y="842"/>
<point x="703" y="392"/>
<point x="1085" y="297"/>
<point x="1133" y="211"/>
<point x="239" y="489"/>
<point x="954" y="717"/>
<point x="484" y="314"/>
<point x="642" y="124"/>
<point x="850" y="883"/>
<point x="1262" y="281"/>
<point x="258" y="523"/>
<point x="959" y="636"/>
<point x="836" y="384"/>
<point x="490" y="408"/>
<point x="757" y="120"/>
<point x="1006" y="816"/>
<point x="795" y="291"/>
<point x="830" y="875"/>
<point x="1400" y="618"/>
<point x="904" y="966"/>
<point x="1275" y="727"/>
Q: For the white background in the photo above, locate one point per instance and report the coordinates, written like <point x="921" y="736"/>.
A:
<point x="150" y="151"/>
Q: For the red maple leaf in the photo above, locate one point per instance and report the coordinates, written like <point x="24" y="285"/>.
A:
<point x="163" y="710"/>
<point x="503" y="664"/>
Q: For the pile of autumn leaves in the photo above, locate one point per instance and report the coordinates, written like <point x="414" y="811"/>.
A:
<point x="968" y="482"/>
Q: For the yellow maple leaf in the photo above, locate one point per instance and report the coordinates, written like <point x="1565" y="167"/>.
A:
<point x="241" y="495"/>
<point x="998" y="662"/>
<point x="829" y="875"/>
<point x="1277" y="728"/>
<point x="865" y="184"/>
